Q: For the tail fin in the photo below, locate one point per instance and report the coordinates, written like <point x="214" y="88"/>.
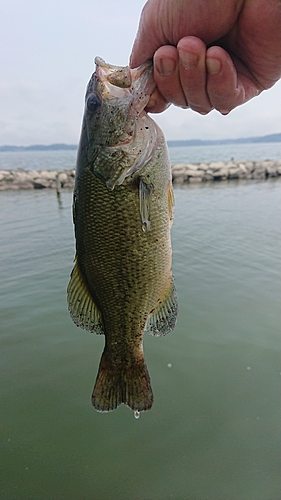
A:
<point x="115" y="385"/>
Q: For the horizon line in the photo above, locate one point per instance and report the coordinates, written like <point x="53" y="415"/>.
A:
<point x="276" y="137"/>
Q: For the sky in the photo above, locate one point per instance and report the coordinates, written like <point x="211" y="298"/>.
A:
<point x="47" y="50"/>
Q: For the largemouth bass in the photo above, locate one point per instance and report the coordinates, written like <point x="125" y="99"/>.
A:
<point x="122" y="284"/>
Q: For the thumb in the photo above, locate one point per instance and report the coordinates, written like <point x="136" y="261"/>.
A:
<point x="147" y="41"/>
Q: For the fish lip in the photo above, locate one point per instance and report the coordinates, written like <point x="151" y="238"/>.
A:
<point x="140" y="70"/>
<point x="143" y="80"/>
<point x="118" y="76"/>
<point x="123" y="77"/>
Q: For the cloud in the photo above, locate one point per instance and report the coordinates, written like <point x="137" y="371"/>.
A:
<point x="36" y="113"/>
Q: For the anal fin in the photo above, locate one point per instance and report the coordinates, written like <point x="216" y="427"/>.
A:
<point x="82" y="308"/>
<point x="163" y="318"/>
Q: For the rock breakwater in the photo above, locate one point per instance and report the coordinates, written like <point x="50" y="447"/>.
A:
<point x="222" y="171"/>
<point x="181" y="173"/>
<point x="36" y="179"/>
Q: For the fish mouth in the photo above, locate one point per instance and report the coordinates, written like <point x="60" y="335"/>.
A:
<point x="134" y="86"/>
<point x="121" y="80"/>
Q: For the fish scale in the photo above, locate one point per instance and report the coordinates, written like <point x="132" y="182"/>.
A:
<point x="121" y="260"/>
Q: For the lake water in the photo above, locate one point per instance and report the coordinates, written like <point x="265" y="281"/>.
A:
<point x="56" y="160"/>
<point x="214" y="430"/>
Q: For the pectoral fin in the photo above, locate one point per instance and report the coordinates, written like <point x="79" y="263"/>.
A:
<point x="171" y="203"/>
<point x="145" y="195"/>
<point x="81" y="306"/>
<point x="163" y="318"/>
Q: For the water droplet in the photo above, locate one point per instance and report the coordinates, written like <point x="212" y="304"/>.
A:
<point x="248" y="368"/>
<point x="136" y="414"/>
<point x="169" y="365"/>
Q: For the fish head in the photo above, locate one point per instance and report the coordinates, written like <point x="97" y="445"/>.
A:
<point x="114" y="106"/>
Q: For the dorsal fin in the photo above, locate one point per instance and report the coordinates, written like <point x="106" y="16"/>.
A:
<point x="82" y="308"/>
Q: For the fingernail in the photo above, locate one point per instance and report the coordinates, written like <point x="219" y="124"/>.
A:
<point x="188" y="59"/>
<point x="165" y="66"/>
<point x="213" y="66"/>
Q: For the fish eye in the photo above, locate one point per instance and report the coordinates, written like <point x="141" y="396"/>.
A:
<point x="93" y="103"/>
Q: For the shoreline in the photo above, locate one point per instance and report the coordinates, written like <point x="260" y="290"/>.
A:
<point x="182" y="173"/>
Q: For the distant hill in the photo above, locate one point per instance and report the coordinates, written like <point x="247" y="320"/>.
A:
<point x="171" y="144"/>
<point x="199" y="142"/>
<point x="39" y="147"/>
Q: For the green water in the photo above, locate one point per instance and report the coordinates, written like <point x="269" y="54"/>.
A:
<point x="214" y="430"/>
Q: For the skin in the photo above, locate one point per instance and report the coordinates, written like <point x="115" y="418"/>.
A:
<point x="209" y="54"/>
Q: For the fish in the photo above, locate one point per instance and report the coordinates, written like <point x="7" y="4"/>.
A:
<point x="122" y="284"/>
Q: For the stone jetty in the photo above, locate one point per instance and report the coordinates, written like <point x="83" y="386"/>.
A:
<point x="224" y="171"/>
<point x="36" y="179"/>
<point x="181" y="173"/>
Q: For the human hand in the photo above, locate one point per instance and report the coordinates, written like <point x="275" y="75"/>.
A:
<point x="209" y="54"/>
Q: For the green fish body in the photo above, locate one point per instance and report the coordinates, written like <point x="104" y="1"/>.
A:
<point x="122" y="283"/>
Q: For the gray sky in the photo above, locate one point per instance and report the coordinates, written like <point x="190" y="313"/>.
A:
<point x="46" y="59"/>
